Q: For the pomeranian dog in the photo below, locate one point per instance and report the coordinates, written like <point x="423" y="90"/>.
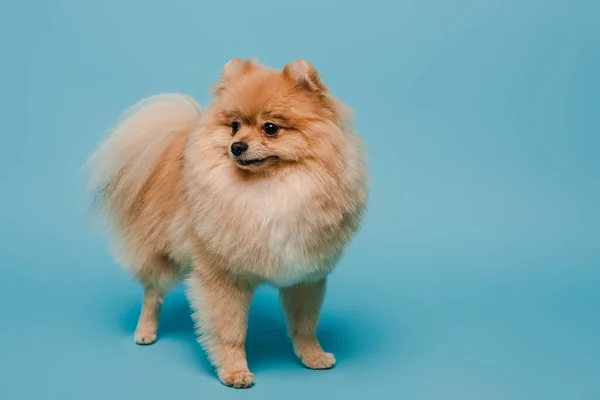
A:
<point x="265" y="186"/>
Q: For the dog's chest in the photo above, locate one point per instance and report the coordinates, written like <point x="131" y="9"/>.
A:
<point x="268" y="231"/>
<point x="289" y="242"/>
<point x="282" y="227"/>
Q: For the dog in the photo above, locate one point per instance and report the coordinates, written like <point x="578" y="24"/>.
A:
<point x="266" y="186"/>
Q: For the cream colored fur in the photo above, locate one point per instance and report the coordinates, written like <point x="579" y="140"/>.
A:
<point x="181" y="206"/>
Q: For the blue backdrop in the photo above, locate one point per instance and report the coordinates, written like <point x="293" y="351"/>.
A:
<point x="476" y="274"/>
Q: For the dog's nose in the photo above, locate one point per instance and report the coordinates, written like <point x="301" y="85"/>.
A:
<point x="238" y="148"/>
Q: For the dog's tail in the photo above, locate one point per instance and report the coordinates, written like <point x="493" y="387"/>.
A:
<point x="126" y="159"/>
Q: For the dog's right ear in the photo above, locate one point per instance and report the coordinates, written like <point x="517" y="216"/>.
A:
<point x="231" y="70"/>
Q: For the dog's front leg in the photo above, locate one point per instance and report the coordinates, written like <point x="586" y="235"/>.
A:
<point x="221" y="304"/>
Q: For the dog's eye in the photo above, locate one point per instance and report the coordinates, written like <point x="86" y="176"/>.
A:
<point x="270" y="129"/>
<point x="235" y="126"/>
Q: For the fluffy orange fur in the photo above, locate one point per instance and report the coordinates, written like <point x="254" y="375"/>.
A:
<point x="184" y="206"/>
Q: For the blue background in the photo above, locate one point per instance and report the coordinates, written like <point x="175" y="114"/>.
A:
<point x="476" y="274"/>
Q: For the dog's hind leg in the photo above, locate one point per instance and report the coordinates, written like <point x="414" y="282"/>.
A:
<point x="157" y="277"/>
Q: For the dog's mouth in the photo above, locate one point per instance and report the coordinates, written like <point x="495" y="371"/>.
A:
<point x="255" y="161"/>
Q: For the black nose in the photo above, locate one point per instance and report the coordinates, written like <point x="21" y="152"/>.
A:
<point x="238" y="148"/>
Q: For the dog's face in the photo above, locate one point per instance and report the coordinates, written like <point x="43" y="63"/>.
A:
<point x="268" y="119"/>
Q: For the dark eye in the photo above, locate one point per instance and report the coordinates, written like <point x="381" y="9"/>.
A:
<point x="235" y="126"/>
<point x="270" y="129"/>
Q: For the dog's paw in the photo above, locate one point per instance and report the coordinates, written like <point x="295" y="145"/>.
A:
<point x="318" y="360"/>
<point x="238" y="379"/>
<point x="144" y="338"/>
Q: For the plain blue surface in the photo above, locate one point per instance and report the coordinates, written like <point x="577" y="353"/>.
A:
<point x="476" y="274"/>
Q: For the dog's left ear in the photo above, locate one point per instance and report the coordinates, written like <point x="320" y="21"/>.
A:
<point x="304" y="75"/>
